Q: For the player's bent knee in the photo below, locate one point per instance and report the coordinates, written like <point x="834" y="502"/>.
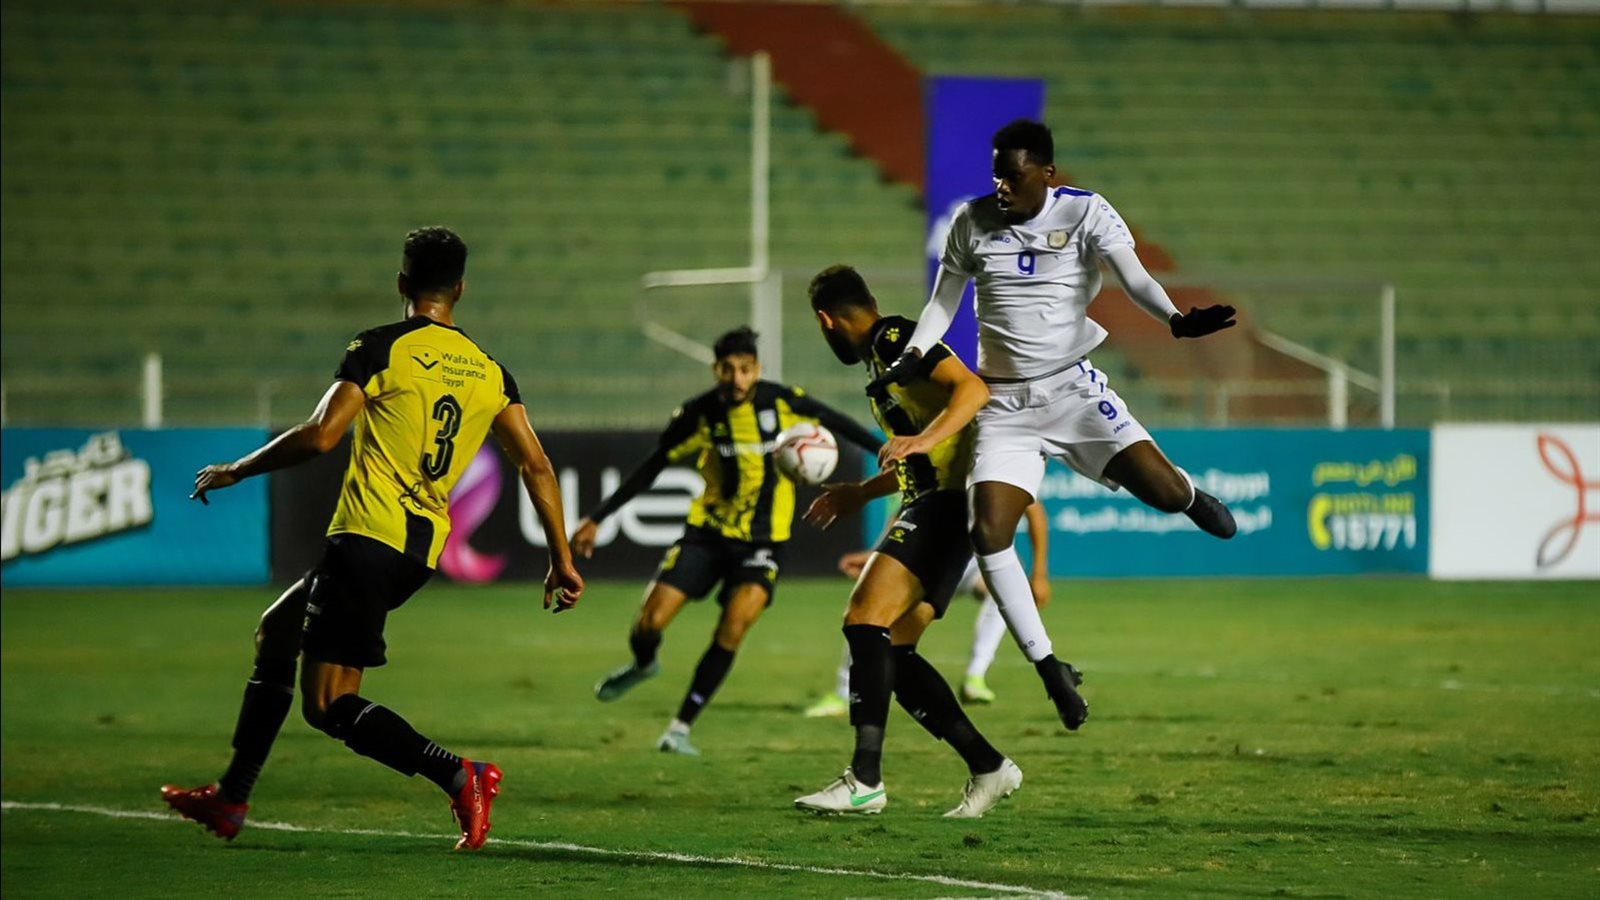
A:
<point x="279" y="632"/>
<point x="864" y="615"/>
<point x="315" y="709"/>
<point x="908" y="629"/>
<point x="730" y="634"/>
<point x="315" y="712"/>
<point x="990" y="537"/>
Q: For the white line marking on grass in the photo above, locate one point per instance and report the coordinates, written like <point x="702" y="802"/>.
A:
<point x="730" y="861"/>
<point x="1210" y="673"/>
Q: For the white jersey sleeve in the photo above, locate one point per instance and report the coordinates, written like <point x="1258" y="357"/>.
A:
<point x="957" y="256"/>
<point x="1103" y="229"/>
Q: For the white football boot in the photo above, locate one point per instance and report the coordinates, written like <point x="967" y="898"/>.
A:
<point x="984" y="791"/>
<point x="845" y="795"/>
<point x="676" y="740"/>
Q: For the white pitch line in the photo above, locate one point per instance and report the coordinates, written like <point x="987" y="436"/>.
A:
<point x="660" y="856"/>
<point x="1208" y="673"/>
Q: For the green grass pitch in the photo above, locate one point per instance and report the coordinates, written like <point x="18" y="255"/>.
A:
<point x="1305" y="738"/>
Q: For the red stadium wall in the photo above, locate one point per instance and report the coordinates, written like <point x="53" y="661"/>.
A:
<point x="833" y="63"/>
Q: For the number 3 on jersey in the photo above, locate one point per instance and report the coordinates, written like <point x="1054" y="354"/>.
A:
<point x="447" y="412"/>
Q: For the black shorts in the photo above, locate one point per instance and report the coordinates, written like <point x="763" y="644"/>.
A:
<point x="352" y="589"/>
<point x="702" y="558"/>
<point x="929" y="537"/>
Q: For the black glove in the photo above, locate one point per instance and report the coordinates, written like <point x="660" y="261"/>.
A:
<point x="902" y="370"/>
<point x="1201" y="322"/>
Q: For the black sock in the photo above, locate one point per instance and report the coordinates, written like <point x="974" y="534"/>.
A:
<point x="267" y="697"/>
<point x="644" y="644"/>
<point x="708" y="677"/>
<point x="379" y="733"/>
<point x="871" y="680"/>
<point x="929" y="700"/>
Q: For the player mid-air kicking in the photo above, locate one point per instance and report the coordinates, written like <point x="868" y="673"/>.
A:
<point x="1034" y="250"/>
<point x="737" y="529"/>
<point x="909" y="580"/>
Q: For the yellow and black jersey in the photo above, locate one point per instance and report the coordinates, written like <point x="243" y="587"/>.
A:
<point x="432" y="394"/>
<point x="746" y="497"/>
<point x="906" y="410"/>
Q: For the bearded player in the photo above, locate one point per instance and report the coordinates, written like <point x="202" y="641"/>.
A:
<point x="909" y="580"/>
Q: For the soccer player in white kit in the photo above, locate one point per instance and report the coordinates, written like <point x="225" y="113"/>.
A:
<point x="1034" y="250"/>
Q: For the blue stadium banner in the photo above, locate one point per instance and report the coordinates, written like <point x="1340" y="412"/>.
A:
<point x="111" y="507"/>
<point x="1308" y="502"/>
<point x="962" y="115"/>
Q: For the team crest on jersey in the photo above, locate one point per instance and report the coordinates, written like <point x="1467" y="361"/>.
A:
<point x="768" y="419"/>
<point x="1057" y="239"/>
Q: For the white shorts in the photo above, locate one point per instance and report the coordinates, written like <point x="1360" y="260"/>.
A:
<point x="1073" y="416"/>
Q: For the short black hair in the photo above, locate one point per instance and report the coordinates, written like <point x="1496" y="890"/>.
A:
<point x="837" y="287"/>
<point x="435" y="259"/>
<point x="739" y="340"/>
<point x="1032" y="138"/>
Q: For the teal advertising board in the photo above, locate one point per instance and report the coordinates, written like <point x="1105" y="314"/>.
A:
<point x="1308" y="502"/>
<point x="110" y="507"/>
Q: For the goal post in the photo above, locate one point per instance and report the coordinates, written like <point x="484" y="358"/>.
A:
<point x="765" y="285"/>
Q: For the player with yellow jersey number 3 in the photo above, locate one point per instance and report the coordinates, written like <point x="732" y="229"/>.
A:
<point x="423" y="396"/>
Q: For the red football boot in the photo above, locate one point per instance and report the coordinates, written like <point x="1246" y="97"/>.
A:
<point x="471" y="805"/>
<point x="206" y="806"/>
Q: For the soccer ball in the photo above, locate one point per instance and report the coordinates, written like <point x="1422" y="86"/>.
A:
<point x="806" y="452"/>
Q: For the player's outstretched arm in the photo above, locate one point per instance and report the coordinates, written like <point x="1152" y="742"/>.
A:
<point x="682" y="436"/>
<point x="583" y="538"/>
<point x="562" y="584"/>
<point x="935" y="320"/>
<point x="313" y="437"/>
<point x="968" y="394"/>
<point x="846" y="498"/>
<point x="835" y="421"/>
<point x="1153" y="299"/>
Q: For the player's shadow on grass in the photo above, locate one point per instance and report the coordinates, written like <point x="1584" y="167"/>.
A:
<point x="756" y="706"/>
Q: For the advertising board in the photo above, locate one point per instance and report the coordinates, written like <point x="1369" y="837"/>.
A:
<point x="87" y="507"/>
<point x="1516" y="501"/>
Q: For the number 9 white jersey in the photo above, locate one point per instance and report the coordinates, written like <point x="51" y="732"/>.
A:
<point x="1035" y="280"/>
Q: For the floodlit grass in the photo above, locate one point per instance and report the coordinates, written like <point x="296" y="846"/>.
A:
<point x="1311" y="738"/>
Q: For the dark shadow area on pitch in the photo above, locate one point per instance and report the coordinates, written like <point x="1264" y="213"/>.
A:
<point x="1335" y="830"/>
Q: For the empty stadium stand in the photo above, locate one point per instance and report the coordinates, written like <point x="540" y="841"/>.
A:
<point x="228" y="183"/>
<point x="1454" y="156"/>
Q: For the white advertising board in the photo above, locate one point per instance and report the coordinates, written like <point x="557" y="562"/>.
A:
<point x="1516" y="501"/>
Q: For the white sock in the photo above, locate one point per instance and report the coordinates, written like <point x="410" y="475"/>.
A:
<point x="1009" y="587"/>
<point x="842" y="685"/>
<point x="987" y="631"/>
<point x="1193" y="496"/>
<point x="678" y="726"/>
